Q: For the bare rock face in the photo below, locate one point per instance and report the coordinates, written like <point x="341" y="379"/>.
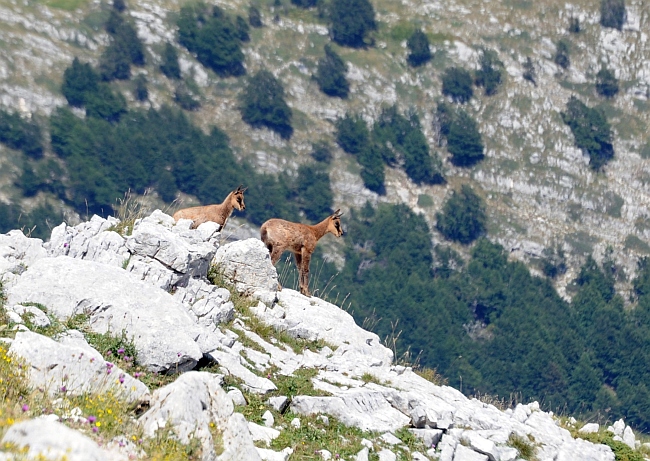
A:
<point x="53" y="440"/>
<point x="73" y="367"/>
<point x="247" y="264"/>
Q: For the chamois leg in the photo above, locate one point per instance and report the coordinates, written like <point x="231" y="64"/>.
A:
<point x="275" y="257"/>
<point x="304" y="273"/>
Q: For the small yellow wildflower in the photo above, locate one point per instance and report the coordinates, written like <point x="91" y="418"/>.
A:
<point x="98" y="424"/>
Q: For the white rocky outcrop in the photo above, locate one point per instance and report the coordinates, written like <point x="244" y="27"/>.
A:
<point x="172" y="332"/>
<point x="72" y="366"/>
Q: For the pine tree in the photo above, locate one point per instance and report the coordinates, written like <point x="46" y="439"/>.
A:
<point x="330" y="74"/>
<point x="351" y="21"/>
<point x="263" y="104"/>
<point x="170" y="66"/>
<point x="419" y="51"/>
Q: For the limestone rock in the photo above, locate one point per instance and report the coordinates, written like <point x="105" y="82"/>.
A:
<point x="162" y="330"/>
<point x="270" y="455"/>
<point x="247" y="265"/>
<point x="53" y="440"/>
<point x="189" y="405"/>
<point x="73" y="369"/>
<point x="464" y="453"/>
<point x="262" y="433"/>
<point x="93" y="240"/>
<point x="368" y="411"/>
<point x="279" y="403"/>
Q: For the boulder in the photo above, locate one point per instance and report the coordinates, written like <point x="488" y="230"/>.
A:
<point x="73" y="367"/>
<point x="189" y="405"/>
<point x="17" y="253"/>
<point x="464" y="453"/>
<point x="247" y="265"/>
<point x="162" y="330"/>
<point x="179" y="257"/>
<point x="43" y="439"/>
<point x="367" y="410"/>
<point x="93" y="240"/>
<point x="262" y="433"/>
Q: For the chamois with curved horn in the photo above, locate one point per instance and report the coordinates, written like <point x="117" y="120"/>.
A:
<point x="218" y="213"/>
<point x="279" y="235"/>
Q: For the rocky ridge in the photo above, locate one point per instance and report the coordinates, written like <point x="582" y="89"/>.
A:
<point x="151" y="284"/>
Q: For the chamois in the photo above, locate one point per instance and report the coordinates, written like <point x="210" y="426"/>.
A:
<point x="218" y="213"/>
<point x="279" y="235"/>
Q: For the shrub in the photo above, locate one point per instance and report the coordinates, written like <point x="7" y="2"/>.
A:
<point x="591" y="131"/>
<point x="464" y="141"/>
<point x="606" y="83"/>
<point x="574" y="25"/>
<point x="463" y="216"/>
<point x="529" y="71"/>
<point x="562" y="54"/>
<point x="140" y="91"/>
<point x="612" y="13"/>
<point x="330" y="74"/>
<point x="263" y="104"/>
<point x="119" y="5"/>
<point x="554" y="261"/>
<point x="184" y="98"/>
<point x="170" y="66"/>
<point x="78" y="81"/>
<point x="213" y="37"/>
<point x="457" y="83"/>
<point x="243" y="30"/>
<point x="352" y="134"/>
<point x="321" y="151"/>
<point x="254" y="16"/>
<point x="490" y="73"/>
<point x="21" y="134"/>
<point x="351" y="21"/>
<point x="419" y="51"/>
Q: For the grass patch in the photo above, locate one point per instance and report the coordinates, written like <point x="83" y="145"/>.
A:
<point x="369" y="378"/>
<point x="314" y="434"/>
<point x="105" y="415"/>
<point x="621" y="451"/>
<point x="128" y="209"/>
<point x="525" y="446"/>
<point x="431" y="375"/>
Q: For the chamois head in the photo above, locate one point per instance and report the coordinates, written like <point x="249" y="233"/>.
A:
<point x="237" y="198"/>
<point x="334" y="224"/>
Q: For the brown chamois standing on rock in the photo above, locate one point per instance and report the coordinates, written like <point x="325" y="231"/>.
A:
<point x="279" y="235"/>
<point x="218" y="213"/>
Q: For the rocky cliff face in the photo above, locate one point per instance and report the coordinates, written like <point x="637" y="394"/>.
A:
<point x="152" y="287"/>
<point x="538" y="186"/>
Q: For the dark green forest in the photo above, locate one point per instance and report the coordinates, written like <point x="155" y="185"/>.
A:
<point x="484" y="322"/>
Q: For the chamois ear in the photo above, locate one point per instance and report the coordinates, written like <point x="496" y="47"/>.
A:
<point x="337" y="214"/>
<point x="244" y="189"/>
